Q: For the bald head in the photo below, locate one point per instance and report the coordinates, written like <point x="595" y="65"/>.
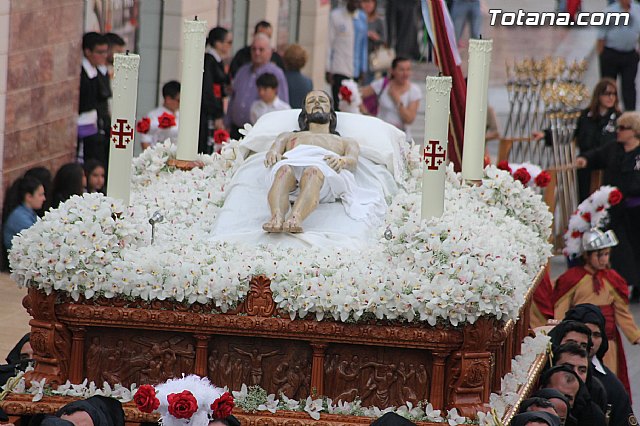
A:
<point x="260" y="50"/>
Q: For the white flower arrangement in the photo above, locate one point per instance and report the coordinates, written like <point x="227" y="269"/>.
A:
<point x="478" y="259"/>
<point x="254" y="398"/>
<point x="591" y="213"/>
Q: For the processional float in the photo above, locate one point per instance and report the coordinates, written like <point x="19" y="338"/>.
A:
<point x="545" y="97"/>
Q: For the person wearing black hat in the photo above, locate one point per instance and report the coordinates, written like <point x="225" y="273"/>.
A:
<point x="584" y="411"/>
<point x="17" y="360"/>
<point x="578" y="333"/>
<point x="559" y="401"/>
<point x="48" y="420"/>
<point x="230" y="420"/>
<point x="537" y="403"/>
<point x="535" y="418"/>
<point x="617" y="396"/>
<point x="95" y="411"/>
<point x="392" y="419"/>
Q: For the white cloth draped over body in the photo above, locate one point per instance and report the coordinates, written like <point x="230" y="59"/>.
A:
<point x="359" y="203"/>
<point x="351" y="222"/>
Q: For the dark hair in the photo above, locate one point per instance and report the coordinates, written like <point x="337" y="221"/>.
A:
<point x="561" y="330"/>
<point x="397" y="60"/>
<point x="216" y="34"/>
<point x="171" y="89"/>
<point x="571" y="348"/>
<point x="294" y="57"/>
<point x="20" y="188"/>
<point x="89" y="167"/>
<point x="114" y="39"/>
<point x="67" y="182"/>
<point x="92" y="39"/>
<point x="231" y="420"/>
<point x="601" y="87"/>
<point x="267" y="80"/>
<point x="261" y="24"/>
<point x="545" y="379"/>
<point x="44" y="176"/>
<point x="303" y="120"/>
<point x="535" y="401"/>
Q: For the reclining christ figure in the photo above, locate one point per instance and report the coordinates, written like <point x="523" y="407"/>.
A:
<point x="315" y="165"/>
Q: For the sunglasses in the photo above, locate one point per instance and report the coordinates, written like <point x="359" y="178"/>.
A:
<point x="623" y="127"/>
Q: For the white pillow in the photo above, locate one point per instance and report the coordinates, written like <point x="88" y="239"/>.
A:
<point x="379" y="141"/>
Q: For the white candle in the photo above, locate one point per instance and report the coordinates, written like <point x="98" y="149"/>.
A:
<point x="434" y="154"/>
<point x="191" y="89"/>
<point x="123" y="119"/>
<point x="475" y="119"/>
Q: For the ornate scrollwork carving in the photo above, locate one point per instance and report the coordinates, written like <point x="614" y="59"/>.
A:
<point x="259" y="301"/>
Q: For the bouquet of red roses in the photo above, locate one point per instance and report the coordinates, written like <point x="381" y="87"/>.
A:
<point x="191" y="400"/>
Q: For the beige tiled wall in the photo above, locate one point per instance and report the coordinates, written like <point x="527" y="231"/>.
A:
<point x="175" y="12"/>
<point x="314" y="21"/>
<point x="40" y="89"/>
<point x="4" y="57"/>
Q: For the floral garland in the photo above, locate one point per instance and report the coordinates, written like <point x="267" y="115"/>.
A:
<point x="528" y="174"/>
<point x="349" y="97"/>
<point x="477" y="259"/>
<point x="254" y="398"/>
<point x="591" y="213"/>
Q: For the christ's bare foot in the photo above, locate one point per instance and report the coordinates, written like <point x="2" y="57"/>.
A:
<point x="274" y="225"/>
<point x="292" y="225"/>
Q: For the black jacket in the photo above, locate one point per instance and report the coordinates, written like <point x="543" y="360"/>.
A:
<point x="621" y="169"/>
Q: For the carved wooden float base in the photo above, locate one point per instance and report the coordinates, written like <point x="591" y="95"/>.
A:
<point x="16" y="405"/>
<point x="383" y="363"/>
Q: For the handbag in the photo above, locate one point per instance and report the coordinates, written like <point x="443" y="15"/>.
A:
<point x="380" y="59"/>
<point x="371" y="101"/>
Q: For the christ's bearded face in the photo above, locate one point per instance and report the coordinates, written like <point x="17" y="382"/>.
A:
<point x="318" y="107"/>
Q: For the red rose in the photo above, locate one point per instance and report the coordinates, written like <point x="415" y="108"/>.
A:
<point x="166" y="120"/>
<point x="504" y="165"/>
<point x="543" y="179"/>
<point x="522" y="175"/>
<point x="599" y="208"/>
<point x="223" y="406"/>
<point x="182" y="405"/>
<point x="145" y="398"/>
<point x="143" y="125"/>
<point x="587" y="217"/>
<point x="220" y="136"/>
<point x="345" y="93"/>
<point x="615" y="197"/>
<point x="576" y="234"/>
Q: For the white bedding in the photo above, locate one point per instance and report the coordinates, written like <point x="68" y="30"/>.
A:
<point x="246" y="207"/>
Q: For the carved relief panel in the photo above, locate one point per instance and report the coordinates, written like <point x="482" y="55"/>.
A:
<point x="278" y="366"/>
<point x="379" y="377"/>
<point x="126" y="357"/>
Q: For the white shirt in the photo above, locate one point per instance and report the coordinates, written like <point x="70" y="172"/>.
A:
<point x="260" y="108"/>
<point x="341" y="41"/>
<point x="155" y="133"/>
<point x="387" y="110"/>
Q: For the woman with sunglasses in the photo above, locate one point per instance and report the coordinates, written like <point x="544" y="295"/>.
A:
<point x="596" y="127"/>
<point x="621" y="163"/>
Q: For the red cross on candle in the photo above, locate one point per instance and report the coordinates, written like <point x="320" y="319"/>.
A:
<point x="121" y="133"/>
<point x="434" y="155"/>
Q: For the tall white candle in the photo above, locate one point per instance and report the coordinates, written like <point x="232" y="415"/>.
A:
<point x="191" y="88"/>
<point x="436" y="117"/>
<point x="475" y="119"/>
<point x="123" y="119"/>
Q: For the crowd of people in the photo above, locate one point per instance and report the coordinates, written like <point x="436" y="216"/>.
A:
<point x="33" y="194"/>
